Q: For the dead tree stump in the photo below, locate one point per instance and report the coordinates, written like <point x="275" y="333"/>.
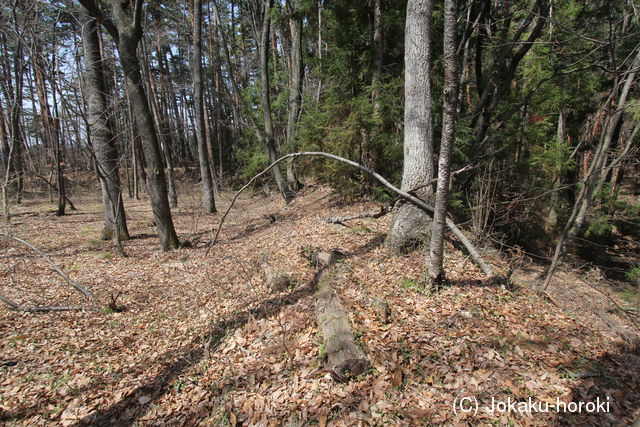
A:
<point x="277" y="281"/>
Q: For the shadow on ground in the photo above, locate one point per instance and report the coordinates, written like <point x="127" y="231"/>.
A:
<point x="127" y="410"/>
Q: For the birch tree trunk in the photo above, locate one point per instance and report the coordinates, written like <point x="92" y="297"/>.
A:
<point x="436" y="248"/>
<point x="102" y="137"/>
<point x="410" y="224"/>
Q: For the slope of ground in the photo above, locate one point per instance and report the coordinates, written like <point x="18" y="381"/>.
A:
<point x="203" y="339"/>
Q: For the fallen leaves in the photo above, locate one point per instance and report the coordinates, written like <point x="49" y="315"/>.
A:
<point x="206" y="340"/>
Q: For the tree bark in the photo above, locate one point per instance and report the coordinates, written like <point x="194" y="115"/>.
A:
<point x="102" y="137"/>
<point x="203" y="155"/>
<point x="436" y="248"/>
<point x="410" y="224"/>
<point x="268" y="137"/>
<point x="127" y="31"/>
<point x="295" y="86"/>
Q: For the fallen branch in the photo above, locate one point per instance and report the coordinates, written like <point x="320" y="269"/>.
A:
<point x="40" y="309"/>
<point x="84" y="291"/>
<point x="418" y="202"/>
<point x="345" y="359"/>
<point x="375" y="215"/>
<point x="452" y="175"/>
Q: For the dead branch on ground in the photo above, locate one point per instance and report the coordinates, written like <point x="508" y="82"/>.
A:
<point x="84" y="291"/>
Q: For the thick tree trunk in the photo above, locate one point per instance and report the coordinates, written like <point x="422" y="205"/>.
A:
<point x="410" y="224"/>
<point x="127" y="30"/>
<point x="102" y="137"/>
<point x="436" y="248"/>
<point x="156" y="184"/>
<point x="203" y="155"/>
<point x="268" y="137"/>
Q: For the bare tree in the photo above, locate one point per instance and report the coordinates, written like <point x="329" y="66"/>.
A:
<point x="436" y="248"/>
<point x="126" y="30"/>
<point x="102" y="138"/>
<point x="410" y="224"/>
<point x="295" y="83"/>
<point x="203" y="155"/>
<point x="267" y="133"/>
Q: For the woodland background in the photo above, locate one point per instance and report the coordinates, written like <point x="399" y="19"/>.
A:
<point x="164" y="108"/>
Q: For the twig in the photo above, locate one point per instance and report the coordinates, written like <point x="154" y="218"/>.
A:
<point x="420" y="203"/>
<point x="382" y="212"/>
<point x="84" y="291"/>
<point x="453" y="175"/>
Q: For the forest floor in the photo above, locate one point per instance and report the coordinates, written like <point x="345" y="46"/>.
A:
<point x="204" y="339"/>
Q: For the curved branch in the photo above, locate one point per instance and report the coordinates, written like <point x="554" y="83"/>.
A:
<point x="416" y="201"/>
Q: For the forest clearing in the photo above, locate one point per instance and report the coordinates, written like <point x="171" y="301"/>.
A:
<point x="319" y="212"/>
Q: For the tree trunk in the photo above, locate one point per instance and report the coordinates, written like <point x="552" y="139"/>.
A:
<point x="268" y="137"/>
<point x="410" y="224"/>
<point x="295" y="86"/>
<point x="203" y="156"/>
<point x="127" y="30"/>
<point x="436" y="248"/>
<point x="551" y="219"/>
<point x="102" y="137"/>
<point x="378" y="52"/>
<point x="158" y="121"/>
<point x="156" y="184"/>
<point x="591" y="181"/>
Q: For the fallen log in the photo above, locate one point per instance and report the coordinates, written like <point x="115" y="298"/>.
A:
<point x="345" y="359"/>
